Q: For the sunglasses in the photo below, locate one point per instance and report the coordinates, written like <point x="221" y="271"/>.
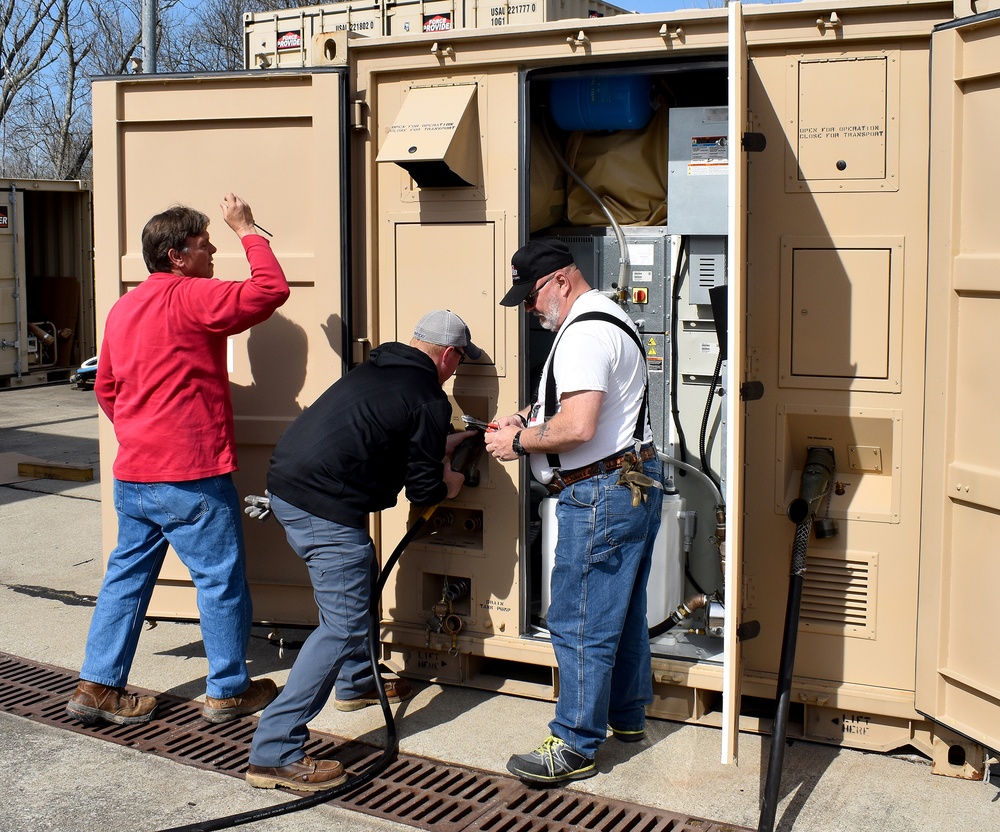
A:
<point x="530" y="299"/>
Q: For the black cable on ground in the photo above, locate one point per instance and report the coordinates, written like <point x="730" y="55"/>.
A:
<point x="816" y="475"/>
<point x="779" y="729"/>
<point x="391" y="739"/>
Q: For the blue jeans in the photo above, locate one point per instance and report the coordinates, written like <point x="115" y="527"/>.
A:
<point x="597" y="616"/>
<point x="201" y="520"/>
<point x="342" y="569"/>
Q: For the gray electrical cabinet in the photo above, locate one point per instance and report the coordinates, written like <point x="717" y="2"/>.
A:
<point x="697" y="170"/>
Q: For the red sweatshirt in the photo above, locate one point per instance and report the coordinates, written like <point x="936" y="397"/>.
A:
<point x="162" y="377"/>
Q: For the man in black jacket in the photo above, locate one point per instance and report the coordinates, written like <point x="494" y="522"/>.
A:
<point x="381" y="428"/>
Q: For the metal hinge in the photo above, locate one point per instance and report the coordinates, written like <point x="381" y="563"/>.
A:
<point x="754" y="142"/>
<point x="359" y="116"/>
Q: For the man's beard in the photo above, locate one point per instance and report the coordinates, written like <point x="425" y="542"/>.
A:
<point x="549" y="316"/>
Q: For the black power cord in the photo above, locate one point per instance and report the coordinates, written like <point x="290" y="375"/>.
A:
<point x="706" y="469"/>
<point x="675" y="300"/>
<point x="391" y="738"/>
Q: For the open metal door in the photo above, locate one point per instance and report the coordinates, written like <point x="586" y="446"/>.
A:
<point x="13" y="331"/>
<point x="277" y="139"/>
<point x="958" y="677"/>
<point x="735" y="415"/>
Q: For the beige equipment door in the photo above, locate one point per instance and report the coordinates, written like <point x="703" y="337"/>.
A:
<point x="735" y="414"/>
<point x="13" y="331"/>
<point x="277" y="140"/>
<point x="958" y="677"/>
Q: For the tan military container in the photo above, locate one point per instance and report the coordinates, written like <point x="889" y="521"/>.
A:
<point x="766" y="170"/>
<point x="228" y="125"/>
<point x="302" y="36"/>
<point x="46" y="280"/>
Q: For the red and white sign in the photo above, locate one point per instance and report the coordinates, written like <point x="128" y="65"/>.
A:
<point x="437" y="23"/>
<point x="290" y="40"/>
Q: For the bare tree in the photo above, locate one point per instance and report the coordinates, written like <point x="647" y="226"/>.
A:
<point x="70" y="141"/>
<point x="49" y="130"/>
<point x="215" y="41"/>
<point x="114" y="35"/>
<point x="28" y="44"/>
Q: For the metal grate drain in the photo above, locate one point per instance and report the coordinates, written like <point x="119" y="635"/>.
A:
<point x="422" y="793"/>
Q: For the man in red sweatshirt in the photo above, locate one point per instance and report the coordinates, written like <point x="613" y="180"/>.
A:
<point x="162" y="380"/>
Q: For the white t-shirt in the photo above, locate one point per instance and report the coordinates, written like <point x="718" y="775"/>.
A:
<point x="595" y="355"/>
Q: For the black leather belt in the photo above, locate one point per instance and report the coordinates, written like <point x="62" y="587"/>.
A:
<point x="560" y="479"/>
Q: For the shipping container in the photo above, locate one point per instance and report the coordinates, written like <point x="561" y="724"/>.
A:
<point x="301" y="36"/>
<point x="793" y="202"/>
<point x="46" y="280"/>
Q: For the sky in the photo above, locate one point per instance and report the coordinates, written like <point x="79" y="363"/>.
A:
<point x="646" y="6"/>
<point x="658" y="5"/>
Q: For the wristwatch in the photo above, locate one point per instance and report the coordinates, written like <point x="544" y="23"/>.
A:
<point x="515" y="445"/>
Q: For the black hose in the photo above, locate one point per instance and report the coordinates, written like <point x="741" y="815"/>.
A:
<point x="666" y="625"/>
<point x="675" y="301"/>
<point x="788" y="643"/>
<point x="684" y="610"/>
<point x="391" y="739"/>
<point x="691" y="580"/>
<point x="703" y="435"/>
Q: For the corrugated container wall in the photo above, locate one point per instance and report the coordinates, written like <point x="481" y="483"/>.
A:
<point x="299" y="37"/>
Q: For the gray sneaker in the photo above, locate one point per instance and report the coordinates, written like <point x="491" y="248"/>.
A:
<point x="552" y="762"/>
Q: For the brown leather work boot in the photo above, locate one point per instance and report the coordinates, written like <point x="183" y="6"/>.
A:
<point x="256" y="697"/>
<point x="92" y="702"/>
<point x="306" y="775"/>
<point x="397" y="690"/>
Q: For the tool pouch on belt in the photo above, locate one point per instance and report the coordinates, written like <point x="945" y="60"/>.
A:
<point x="632" y="475"/>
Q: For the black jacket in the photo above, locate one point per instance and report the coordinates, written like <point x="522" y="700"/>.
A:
<point x="380" y="427"/>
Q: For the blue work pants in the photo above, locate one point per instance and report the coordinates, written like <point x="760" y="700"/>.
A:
<point x="201" y="520"/>
<point x="597" y="616"/>
<point x="342" y="569"/>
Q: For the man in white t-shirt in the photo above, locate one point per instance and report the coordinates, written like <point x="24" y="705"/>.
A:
<point x="588" y="427"/>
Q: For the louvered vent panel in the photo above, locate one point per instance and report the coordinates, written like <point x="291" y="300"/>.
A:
<point x="839" y="593"/>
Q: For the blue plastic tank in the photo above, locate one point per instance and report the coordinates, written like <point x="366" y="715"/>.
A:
<point x="601" y="102"/>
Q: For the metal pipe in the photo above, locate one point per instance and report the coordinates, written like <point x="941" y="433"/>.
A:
<point x="691" y="469"/>
<point x="149" y="36"/>
<point x="684" y="610"/>
<point x="623" y="259"/>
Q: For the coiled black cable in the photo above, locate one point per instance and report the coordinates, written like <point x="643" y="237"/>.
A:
<point x="391" y="738"/>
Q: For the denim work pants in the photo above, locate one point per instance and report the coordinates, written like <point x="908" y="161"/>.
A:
<point x="597" y="616"/>
<point x="342" y="569"/>
<point x="201" y="520"/>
